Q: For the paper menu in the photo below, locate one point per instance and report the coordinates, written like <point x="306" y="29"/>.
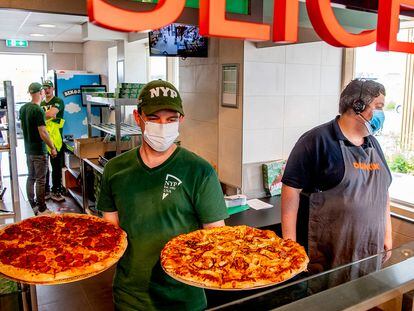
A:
<point x="258" y="204"/>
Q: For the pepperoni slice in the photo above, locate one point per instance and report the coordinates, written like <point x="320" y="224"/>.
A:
<point x="13" y="230"/>
<point x="5" y="260"/>
<point x="60" y="258"/>
<point x="44" y="268"/>
<point x="41" y="258"/>
<point x="93" y="258"/>
<point x="77" y="263"/>
<point x="62" y="264"/>
<point x="8" y="237"/>
<point x="78" y="257"/>
<point x="87" y="242"/>
<point x="36" y="239"/>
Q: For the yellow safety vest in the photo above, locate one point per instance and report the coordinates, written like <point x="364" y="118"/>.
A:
<point x="53" y="129"/>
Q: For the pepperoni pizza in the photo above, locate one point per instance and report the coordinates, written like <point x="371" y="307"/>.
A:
<point x="60" y="248"/>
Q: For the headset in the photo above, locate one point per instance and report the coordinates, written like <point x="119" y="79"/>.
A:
<point x="359" y="105"/>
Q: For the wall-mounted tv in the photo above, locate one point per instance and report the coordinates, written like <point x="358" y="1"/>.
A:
<point x="178" y="40"/>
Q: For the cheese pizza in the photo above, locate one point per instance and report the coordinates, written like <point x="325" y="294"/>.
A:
<point x="237" y="257"/>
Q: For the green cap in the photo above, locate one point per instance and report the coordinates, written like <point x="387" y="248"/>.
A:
<point x="159" y="95"/>
<point x="35" y="87"/>
<point x="48" y="83"/>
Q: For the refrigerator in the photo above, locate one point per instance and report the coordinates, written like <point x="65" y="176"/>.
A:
<point x="67" y="87"/>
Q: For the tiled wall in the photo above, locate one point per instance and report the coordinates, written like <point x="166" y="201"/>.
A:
<point x="288" y="90"/>
<point x="285" y="91"/>
<point x="199" y="84"/>
<point x="231" y="120"/>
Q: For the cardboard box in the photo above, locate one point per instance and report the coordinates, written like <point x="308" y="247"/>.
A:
<point x="272" y="176"/>
<point x="92" y="148"/>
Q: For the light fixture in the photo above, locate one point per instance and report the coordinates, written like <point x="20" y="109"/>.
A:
<point x="47" y="25"/>
<point x="37" y="35"/>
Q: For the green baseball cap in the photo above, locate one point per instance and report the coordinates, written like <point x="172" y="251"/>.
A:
<point x="35" y="87"/>
<point x="159" y="95"/>
<point x="48" y="83"/>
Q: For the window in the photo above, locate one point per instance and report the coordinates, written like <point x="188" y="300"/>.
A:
<point x="165" y="68"/>
<point x="157" y="68"/>
<point x="21" y="69"/>
<point x="396" y="138"/>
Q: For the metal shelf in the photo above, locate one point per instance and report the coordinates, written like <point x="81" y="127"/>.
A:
<point x="95" y="165"/>
<point x="126" y="129"/>
<point x="7" y="215"/>
<point x="10" y="127"/>
<point x="75" y="172"/>
<point x="76" y="193"/>
<point x="103" y="101"/>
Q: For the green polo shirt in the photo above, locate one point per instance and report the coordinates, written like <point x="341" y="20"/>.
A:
<point x="155" y="205"/>
<point x="55" y="102"/>
<point x="31" y="117"/>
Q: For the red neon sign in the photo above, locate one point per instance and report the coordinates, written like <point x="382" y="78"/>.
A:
<point x="112" y="17"/>
<point x="213" y="22"/>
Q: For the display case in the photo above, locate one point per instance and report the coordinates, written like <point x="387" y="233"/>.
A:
<point x="392" y="278"/>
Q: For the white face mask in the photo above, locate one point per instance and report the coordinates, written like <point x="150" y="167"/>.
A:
<point x="159" y="136"/>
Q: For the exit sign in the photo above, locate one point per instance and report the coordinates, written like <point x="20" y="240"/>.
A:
<point x="12" y="43"/>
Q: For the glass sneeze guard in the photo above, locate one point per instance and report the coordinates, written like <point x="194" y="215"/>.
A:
<point x="330" y="290"/>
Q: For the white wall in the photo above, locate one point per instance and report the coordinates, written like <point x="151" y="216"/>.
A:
<point x="95" y="58"/>
<point x="70" y="58"/>
<point x="288" y="90"/>
<point x="112" y="75"/>
<point x="136" y="61"/>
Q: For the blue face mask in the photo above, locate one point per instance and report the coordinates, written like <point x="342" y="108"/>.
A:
<point x="377" y="121"/>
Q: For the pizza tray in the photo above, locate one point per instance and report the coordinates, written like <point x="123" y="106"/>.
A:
<point x="195" y="284"/>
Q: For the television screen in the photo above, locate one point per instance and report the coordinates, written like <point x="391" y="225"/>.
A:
<point x="178" y="40"/>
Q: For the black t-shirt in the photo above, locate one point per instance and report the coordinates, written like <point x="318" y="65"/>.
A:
<point x="316" y="162"/>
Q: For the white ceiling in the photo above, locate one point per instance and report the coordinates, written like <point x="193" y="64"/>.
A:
<point x="19" y="25"/>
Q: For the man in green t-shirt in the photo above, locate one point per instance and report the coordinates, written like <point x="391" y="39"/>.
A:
<point x="154" y="193"/>
<point x="35" y="135"/>
<point x="55" y="108"/>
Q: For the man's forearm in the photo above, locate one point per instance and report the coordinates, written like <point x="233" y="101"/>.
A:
<point x="219" y="223"/>
<point x="51" y="113"/>
<point x="112" y="217"/>
<point x="388" y="226"/>
<point x="45" y="137"/>
<point x="290" y="207"/>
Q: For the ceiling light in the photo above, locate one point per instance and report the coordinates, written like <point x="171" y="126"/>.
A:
<point x="37" y="35"/>
<point x="47" y="25"/>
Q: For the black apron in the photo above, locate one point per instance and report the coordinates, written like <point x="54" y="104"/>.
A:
<point x="347" y="223"/>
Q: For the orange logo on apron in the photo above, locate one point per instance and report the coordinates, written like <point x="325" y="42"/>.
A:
<point x="367" y="166"/>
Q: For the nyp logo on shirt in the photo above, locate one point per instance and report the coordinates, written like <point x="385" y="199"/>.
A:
<point x="171" y="184"/>
<point x="163" y="91"/>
